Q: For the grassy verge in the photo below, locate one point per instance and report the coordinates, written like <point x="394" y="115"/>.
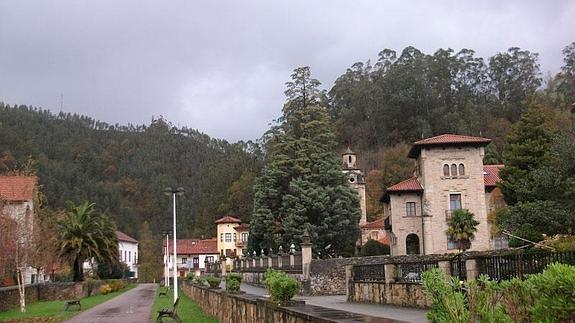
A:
<point x="53" y="311"/>
<point x="188" y="311"/>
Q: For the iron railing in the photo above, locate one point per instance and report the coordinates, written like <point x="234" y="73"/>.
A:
<point x="371" y="273"/>
<point x="499" y="267"/>
<point x="411" y="272"/>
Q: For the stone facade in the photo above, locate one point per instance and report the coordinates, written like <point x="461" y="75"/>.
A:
<point x="449" y="174"/>
<point x="355" y="180"/>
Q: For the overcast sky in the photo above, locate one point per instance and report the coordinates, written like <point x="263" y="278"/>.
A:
<point x="220" y="66"/>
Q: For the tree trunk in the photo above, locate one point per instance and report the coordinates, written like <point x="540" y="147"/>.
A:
<point x="78" y="270"/>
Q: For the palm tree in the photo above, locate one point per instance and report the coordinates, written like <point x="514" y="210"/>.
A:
<point x="461" y="228"/>
<point x="82" y="234"/>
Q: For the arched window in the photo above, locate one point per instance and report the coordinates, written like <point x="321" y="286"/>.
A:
<point x="412" y="244"/>
<point x="445" y="170"/>
<point x="461" y="169"/>
<point x="453" y="170"/>
<point x="349" y="158"/>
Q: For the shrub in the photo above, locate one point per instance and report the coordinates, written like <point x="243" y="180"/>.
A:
<point x="214" y="282"/>
<point x="554" y="293"/>
<point x="190" y="276"/>
<point x="232" y="285"/>
<point x="448" y="304"/>
<point x="544" y="297"/>
<point x="90" y="284"/>
<point x="280" y="286"/>
<point x="233" y="276"/>
<point x="116" y="284"/>
<point x="199" y="281"/>
<point x="105" y="289"/>
<point x="64" y="276"/>
<point x="374" y="248"/>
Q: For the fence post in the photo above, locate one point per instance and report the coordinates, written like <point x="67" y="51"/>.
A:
<point x="445" y="266"/>
<point x="471" y="268"/>
<point x="292" y="255"/>
<point x="262" y="258"/>
<point x="280" y="254"/>
<point x="223" y="265"/>
<point x="254" y="259"/>
<point x="306" y="255"/>
<point x="389" y="270"/>
<point x="270" y="259"/>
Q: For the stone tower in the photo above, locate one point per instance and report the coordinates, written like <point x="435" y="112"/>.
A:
<point x="355" y="180"/>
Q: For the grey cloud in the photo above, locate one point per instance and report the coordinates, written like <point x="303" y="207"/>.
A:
<point x="220" y="66"/>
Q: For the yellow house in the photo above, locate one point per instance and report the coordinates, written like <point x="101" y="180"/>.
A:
<point x="232" y="236"/>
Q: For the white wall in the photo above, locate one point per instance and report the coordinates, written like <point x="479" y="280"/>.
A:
<point x="129" y="254"/>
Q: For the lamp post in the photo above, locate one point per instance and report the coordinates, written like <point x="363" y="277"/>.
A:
<point x="166" y="261"/>
<point x="178" y="191"/>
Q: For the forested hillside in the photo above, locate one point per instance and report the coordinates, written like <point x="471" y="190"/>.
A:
<point x="380" y="108"/>
<point x="124" y="169"/>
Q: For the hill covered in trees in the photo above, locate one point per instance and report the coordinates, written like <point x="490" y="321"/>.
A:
<point x="124" y="169"/>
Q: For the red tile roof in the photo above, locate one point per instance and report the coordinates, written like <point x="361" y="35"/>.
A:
<point x="193" y="246"/>
<point x="17" y="188"/>
<point x="228" y="219"/>
<point x="409" y="185"/>
<point x="377" y="224"/>
<point x="447" y="139"/>
<point x="124" y="237"/>
<point x="491" y="175"/>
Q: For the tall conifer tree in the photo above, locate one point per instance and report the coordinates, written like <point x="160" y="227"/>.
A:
<point x="302" y="188"/>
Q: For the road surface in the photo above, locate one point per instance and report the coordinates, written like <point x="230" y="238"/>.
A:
<point x="133" y="306"/>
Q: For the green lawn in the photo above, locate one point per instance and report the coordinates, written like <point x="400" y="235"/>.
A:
<point x="188" y="311"/>
<point x="53" y="311"/>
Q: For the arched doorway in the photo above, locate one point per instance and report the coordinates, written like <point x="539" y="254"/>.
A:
<point x="412" y="244"/>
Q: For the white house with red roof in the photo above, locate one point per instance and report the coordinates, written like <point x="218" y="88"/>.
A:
<point x="191" y="255"/>
<point x="17" y="205"/>
<point x="128" y="252"/>
<point x="449" y="175"/>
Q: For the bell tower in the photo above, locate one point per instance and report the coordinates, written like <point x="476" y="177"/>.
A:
<point x="355" y="180"/>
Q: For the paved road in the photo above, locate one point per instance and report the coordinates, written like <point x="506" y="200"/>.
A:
<point x="133" y="306"/>
<point x="339" y="302"/>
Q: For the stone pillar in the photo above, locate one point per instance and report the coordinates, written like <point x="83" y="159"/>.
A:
<point x="270" y="261"/>
<point x="348" y="281"/>
<point x="254" y="259"/>
<point x="305" y="255"/>
<point x="223" y="265"/>
<point x="261" y="260"/>
<point x="445" y="266"/>
<point x="389" y="273"/>
<point x="472" y="270"/>
<point x="280" y="259"/>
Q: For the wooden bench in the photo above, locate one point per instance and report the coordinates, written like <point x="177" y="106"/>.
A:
<point x="74" y="302"/>
<point x="164" y="292"/>
<point x="166" y="312"/>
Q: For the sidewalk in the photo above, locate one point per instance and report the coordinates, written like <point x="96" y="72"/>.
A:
<point x="339" y="302"/>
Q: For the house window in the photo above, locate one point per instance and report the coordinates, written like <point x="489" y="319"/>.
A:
<point x="228" y="237"/>
<point x="135" y="257"/>
<point x="221" y="237"/>
<point x="196" y="262"/>
<point x="125" y="256"/>
<point x="445" y="170"/>
<point x="373" y="235"/>
<point x="453" y="170"/>
<point x="501" y="243"/>
<point x="451" y="244"/>
<point x="210" y="259"/>
<point x="461" y="169"/>
<point x="410" y="209"/>
<point x="129" y="256"/>
<point x="245" y="237"/>
<point x="184" y="261"/>
<point x="235" y="239"/>
<point x="412" y="244"/>
<point x="454" y="202"/>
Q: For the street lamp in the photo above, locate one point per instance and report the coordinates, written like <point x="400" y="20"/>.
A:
<point x="178" y="191"/>
<point x="166" y="261"/>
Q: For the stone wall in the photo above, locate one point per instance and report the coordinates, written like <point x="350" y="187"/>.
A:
<point x="10" y="298"/>
<point x="400" y="294"/>
<point x="247" y="308"/>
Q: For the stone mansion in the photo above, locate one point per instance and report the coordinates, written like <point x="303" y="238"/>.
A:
<point x="449" y="175"/>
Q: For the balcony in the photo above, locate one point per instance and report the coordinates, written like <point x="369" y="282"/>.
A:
<point x="241" y="244"/>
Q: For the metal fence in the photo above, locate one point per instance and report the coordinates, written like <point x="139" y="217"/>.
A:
<point x="411" y="272"/>
<point x="375" y="273"/>
<point x="457" y="268"/>
<point x="501" y="267"/>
